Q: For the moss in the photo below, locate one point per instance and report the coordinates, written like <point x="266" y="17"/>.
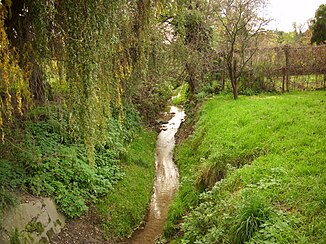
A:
<point x="34" y="226"/>
<point x="50" y="233"/>
<point x="57" y="222"/>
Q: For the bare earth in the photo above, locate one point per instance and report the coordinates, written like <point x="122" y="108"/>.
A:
<point x="83" y="230"/>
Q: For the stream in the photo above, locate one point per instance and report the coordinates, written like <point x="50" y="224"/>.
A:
<point x="166" y="181"/>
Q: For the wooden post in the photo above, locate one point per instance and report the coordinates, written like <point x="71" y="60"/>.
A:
<point x="283" y="80"/>
<point x="286" y="51"/>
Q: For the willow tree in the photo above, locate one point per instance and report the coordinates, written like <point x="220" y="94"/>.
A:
<point x="102" y="54"/>
<point x="240" y="22"/>
<point x="110" y="54"/>
<point x="14" y="77"/>
<point x="192" y="40"/>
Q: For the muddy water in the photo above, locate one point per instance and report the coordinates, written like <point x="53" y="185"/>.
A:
<point x="166" y="182"/>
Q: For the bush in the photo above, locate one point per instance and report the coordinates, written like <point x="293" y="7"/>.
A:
<point x="63" y="170"/>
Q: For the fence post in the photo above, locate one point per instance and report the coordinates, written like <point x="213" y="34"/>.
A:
<point x="283" y="79"/>
<point x="286" y="51"/>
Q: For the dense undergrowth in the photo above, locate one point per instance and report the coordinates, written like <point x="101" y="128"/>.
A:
<point x="253" y="171"/>
<point x="40" y="156"/>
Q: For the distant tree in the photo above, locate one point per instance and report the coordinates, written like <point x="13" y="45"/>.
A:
<point x="318" y="26"/>
<point x="240" y="24"/>
<point x="298" y="32"/>
<point x="285" y="37"/>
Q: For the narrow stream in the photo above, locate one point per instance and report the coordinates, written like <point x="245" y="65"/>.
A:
<point x="166" y="182"/>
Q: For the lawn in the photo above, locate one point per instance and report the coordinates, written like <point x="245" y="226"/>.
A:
<point x="254" y="170"/>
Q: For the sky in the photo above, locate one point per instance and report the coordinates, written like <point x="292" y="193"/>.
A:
<point x="285" y="12"/>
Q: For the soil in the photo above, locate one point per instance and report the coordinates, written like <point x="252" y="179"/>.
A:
<point x="84" y="230"/>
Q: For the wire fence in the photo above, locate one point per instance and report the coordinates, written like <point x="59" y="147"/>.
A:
<point x="291" y="67"/>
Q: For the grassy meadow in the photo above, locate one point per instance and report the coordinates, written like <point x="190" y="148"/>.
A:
<point x="254" y="171"/>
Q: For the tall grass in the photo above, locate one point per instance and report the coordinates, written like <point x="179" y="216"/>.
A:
<point x="124" y="208"/>
<point x="269" y="151"/>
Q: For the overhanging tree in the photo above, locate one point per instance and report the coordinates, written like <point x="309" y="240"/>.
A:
<point x="95" y="61"/>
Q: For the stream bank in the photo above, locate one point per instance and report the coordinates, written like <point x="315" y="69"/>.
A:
<point x="116" y="215"/>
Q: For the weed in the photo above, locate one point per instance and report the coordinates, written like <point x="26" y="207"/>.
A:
<point x="15" y="237"/>
<point x="7" y="199"/>
<point x="11" y="176"/>
<point x="49" y="161"/>
<point x="253" y="212"/>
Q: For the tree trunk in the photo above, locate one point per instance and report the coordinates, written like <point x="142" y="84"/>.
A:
<point x="191" y="79"/>
<point x="234" y="84"/>
<point x="235" y="88"/>
<point x="233" y="78"/>
<point x="19" y="31"/>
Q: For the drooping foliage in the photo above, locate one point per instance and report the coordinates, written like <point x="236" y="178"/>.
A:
<point x="193" y="33"/>
<point x="92" y="57"/>
<point x="71" y="75"/>
<point x="13" y="76"/>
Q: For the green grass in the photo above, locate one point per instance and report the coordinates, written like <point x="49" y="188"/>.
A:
<point x="269" y="151"/>
<point x="180" y="95"/>
<point x="124" y="208"/>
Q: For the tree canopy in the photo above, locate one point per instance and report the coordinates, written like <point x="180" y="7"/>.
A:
<point x="318" y="26"/>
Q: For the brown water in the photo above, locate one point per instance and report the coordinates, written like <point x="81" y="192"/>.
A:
<point x="166" y="182"/>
